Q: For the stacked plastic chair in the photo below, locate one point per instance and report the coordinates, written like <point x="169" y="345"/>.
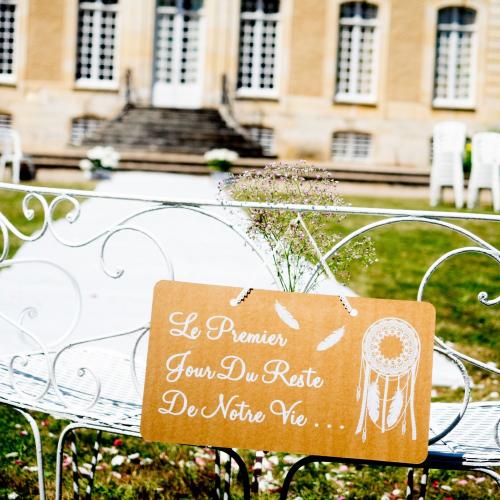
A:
<point x="447" y="161"/>
<point x="485" y="173"/>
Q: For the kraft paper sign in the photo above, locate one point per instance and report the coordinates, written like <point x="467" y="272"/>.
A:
<point x="289" y="372"/>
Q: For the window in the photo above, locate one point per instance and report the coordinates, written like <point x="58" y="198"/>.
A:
<point x="455" y="58"/>
<point x="258" y="47"/>
<point x="263" y="136"/>
<point x="82" y="127"/>
<point x="96" y="56"/>
<point x="7" y="40"/>
<point x="351" y="146"/>
<point x="357" y="53"/>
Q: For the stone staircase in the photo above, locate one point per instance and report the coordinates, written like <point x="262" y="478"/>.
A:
<point x="166" y="130"/>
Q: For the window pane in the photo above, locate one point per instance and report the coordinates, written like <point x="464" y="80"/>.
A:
<point x="164" y="47"/>
<point x="454" y="55"/>
<point x="364" y="10"/>
<point x="271" y="6"/>
<point x="258" y="39"/>
<point x="457" y="15"/>
<point x="7" y="35"/>
<point x="249" y="5"/>
<point x="167" y="3"/>
<point x="356" y="50"/>
<point x="82" y="128"/>
<point x="351" y="146"/>
<point x="96" y="40"/>
<point x="192" y="5"/>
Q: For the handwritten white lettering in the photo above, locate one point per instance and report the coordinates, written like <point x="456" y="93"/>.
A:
<point x="231" y="410"/>
<point x="279" y="408"/>
<point x="178" y="332"/>
<point x="277" y="369"/>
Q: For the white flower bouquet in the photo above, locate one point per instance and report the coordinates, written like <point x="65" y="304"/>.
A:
<point x="220" y="160"/>
<point x="100" y="159"/>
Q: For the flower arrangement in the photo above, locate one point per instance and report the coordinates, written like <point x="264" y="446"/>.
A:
<point x="297" y="242"/>
<point x="220" y="160"/>
<point x="99" y="160"/>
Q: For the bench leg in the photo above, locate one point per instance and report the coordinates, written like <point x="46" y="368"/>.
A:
<point x="95" y="459"/>
<point x="409" y="483"/>
<point x="74" y="465"/>
<point x="423" y="484"/>
<point x="38" y="448"/>
<point x="59" y="459"/>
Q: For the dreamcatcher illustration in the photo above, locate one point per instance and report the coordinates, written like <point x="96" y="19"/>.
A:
<point x="386" y="384"/>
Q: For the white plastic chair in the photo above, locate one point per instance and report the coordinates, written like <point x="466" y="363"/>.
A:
<point x="447" y="163"/>
<point x="11" y="153"/>
<point x="485" y="171"/>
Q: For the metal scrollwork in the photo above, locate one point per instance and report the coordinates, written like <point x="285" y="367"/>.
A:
<point x="7" y="227"/>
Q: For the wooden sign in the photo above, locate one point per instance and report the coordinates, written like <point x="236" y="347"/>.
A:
<point x="289" y="372"/>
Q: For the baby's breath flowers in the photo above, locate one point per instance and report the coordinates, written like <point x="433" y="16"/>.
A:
<point x="297" y="245"/>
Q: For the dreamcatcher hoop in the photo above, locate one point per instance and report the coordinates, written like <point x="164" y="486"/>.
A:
<point x="386" y="385"/>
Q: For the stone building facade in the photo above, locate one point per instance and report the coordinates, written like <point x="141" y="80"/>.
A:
<point x="348" y="82"/>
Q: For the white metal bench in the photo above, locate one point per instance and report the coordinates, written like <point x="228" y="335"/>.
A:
<point x="95" y="385"/>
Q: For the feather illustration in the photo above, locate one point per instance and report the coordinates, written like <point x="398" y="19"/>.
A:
<point x="286" y="316"/>
<point x="373" y="402"/>
<point x="395" y="408"/>
<point x="331" y="340"/>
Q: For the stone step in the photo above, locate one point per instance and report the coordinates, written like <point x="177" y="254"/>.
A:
<point x="172" y="130"/>
<point x="182" y="147"/>
<point x="195" y="164"/>
<point x="177" y="134"/>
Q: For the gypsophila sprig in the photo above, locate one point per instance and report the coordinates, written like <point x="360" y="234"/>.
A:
<point x="296" y="242"/>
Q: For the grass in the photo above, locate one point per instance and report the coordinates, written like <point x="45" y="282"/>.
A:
<point x="404" y="252"/>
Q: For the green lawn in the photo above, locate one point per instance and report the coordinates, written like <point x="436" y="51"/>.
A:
<point x="404" y="252"/>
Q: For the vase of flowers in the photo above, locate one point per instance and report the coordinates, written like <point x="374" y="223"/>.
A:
<point x="100" y="162"/>
<point x="220" y="161"/>
<point x="297" y="242"/>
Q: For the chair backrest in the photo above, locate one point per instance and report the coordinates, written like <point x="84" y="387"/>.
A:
<point x="448" y="137"/>
<point x="485" y="157"/>
<point x="486" y="148"/>
<point x="11" y="143"/>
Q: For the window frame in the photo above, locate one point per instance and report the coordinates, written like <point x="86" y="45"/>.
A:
<point x="259" y="16"/>
<point x="357" y="21"/>
<point x="452" y="102"/>
<point x="94" y="83"/>
<point x="351" y="146"/>
<point x="74" y="124"/>
<point x="11" y="79"/>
